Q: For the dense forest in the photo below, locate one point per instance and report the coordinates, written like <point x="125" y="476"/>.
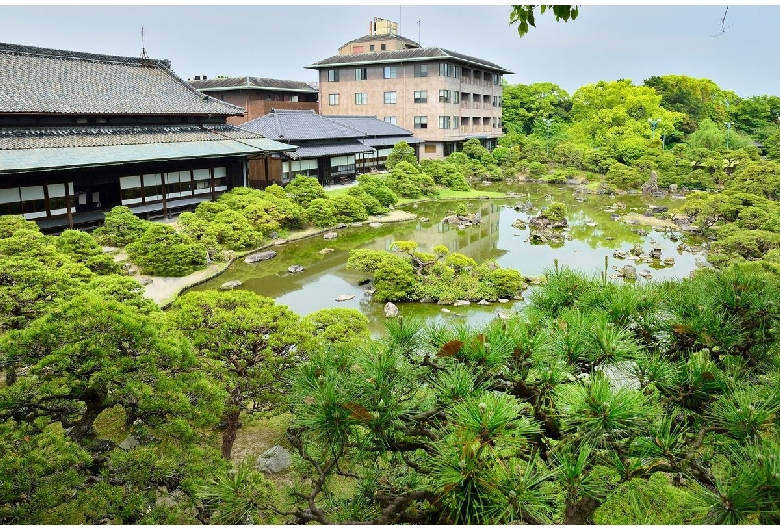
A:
<point x="603" y="402"/>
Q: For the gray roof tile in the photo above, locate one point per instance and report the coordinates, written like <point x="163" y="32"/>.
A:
<point x="43" y="80"/>
<point x="414" y="54"/>
<point x="370" y="126"/>
<point x="294" y="125"/>
<point x="251" y="83"/>
<point x="330" y="149"/>
<point x="13" y="138"/>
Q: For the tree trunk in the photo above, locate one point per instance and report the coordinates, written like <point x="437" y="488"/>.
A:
<point x="231" y="429"/>
<point x="84" y="426"/>
<point x="580" y="512"/>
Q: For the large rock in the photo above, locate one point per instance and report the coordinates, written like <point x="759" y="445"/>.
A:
<point x="629" y="272"/>
<point x="274" y="460"/>
<point x="327" y="250"/>
<point x="330" y="235"/>
<point x="129" y="443"/>
<point x="232" y="284"/>
<point x="651" y="186"/>
<point x="295" y="268"/>
<point x="260" y="256"/>
<point x="344" y="297"/>
<point x="391" y="310"/>
<point x="461" y="302"/>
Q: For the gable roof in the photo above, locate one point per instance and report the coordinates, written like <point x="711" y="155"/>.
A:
<point x="410" y="55"/>
<point x="48" y="81"/>
<point x="386" y="36"/>
<point x="298" y="125"/>
<point x="251" y="83"/>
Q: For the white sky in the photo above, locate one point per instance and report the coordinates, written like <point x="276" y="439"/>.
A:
<point x="604" y="43"/>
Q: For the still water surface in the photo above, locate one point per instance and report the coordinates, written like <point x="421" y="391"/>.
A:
<point x="593" y="235"/>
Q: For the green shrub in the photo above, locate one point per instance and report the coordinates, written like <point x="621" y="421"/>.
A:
<point x="321" y="213"/>
<point x="349" y="208"/>
<point x="304" y="189"/>
<point x="121" y="227"/>
<point x="232" y="230"/>
<point x="82" y="248"/>
<point x="161" y="251"/>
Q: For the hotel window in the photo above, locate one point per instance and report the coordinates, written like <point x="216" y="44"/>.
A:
<point x="390" y="98"/>
<point x="444" y="96"/>
<point x="370" y="47"/>
<point x="361" y="74"/>
<point x="456" y="71"/>
<point x="333" y="99"/>
<point x="420" y="70"/>
<point x="421" y="96"/>
<point x="496" y="79"/>
<point x="455" y="122"/>
<point x="421" y="122"/>
<point x="360" y="98"/>
<point x="389" y="72"/>
<point x="333" y="75"/>
<point x="456" y="97"/>
<point x="445" y="70"/>
<point x="383" y="46"/>
<point x="391" y="120"/>
<point x="444" y="122"/>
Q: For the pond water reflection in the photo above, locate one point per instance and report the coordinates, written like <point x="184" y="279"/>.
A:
<point x="592" y="234"/>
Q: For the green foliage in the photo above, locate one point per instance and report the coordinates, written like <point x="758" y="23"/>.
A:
<point x="446" y="173"/>
<point x="524" y="17"/>
<point x="371" y="203"/>
<point x="556" y="211"/>
<point x="237" y="496"/>
<point x="121" y="227"/>
<point x="303" y="190"/>
<point x="321" y="213"/>
<point x="161" y="251"/>
<point x="624" y="177"/>
<point x="375" y="186"/>
<point x="232" y="230"/>
<point x="349" y="208"/>
<point x="339" y="326"/>
<point x="401" y="152"/>
<point x="407" y="180"/>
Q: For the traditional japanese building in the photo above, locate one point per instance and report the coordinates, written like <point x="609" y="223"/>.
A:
<point x="331" y="148"/>
<point x="81" y="133"/>
<point x="258" y="95"/>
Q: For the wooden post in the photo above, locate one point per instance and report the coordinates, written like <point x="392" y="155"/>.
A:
<point x="67" y="205"/>
<point x="164" y="190"/>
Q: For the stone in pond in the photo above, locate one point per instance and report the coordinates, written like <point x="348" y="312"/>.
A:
<point x="327" y="250"/>
<point x="344" y="297"/>
<point x="232" y="284"/>
<point x="461" y="302"/>
<point x="260" y="256"/>
<point x="629" y="272"/>
<point x="391" y="310"/>
<point x="330" y="235"/>
<point x="374" y="225"/>
<point x="295" y="268"/>
<point x="483" y="302"/>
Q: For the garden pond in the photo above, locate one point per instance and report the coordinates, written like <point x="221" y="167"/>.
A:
<point x="592" y="235"/>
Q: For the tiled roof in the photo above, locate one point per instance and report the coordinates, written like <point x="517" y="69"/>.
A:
<point x="292" y="125"/>
<point x="370" y="125"/>
<point x="251" y="83"/>
<point x="27" y="160"/>
<point x="62" y="137"/>
<point x="43" y="80"/>
<point x="415" y="54"/>
<point x="386" y="141"/>
<point x="387" y="36"/>
<point x="330" y="149"/>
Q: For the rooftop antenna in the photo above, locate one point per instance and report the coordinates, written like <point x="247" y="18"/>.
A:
<point x="144" y="57"/>
<point x="418" y="32"/>
<point x="399" y="20"/>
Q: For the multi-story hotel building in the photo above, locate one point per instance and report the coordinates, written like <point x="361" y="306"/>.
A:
<point x="444" y="97"/>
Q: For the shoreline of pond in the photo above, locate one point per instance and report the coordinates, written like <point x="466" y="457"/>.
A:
<point x="165" y="290"/>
